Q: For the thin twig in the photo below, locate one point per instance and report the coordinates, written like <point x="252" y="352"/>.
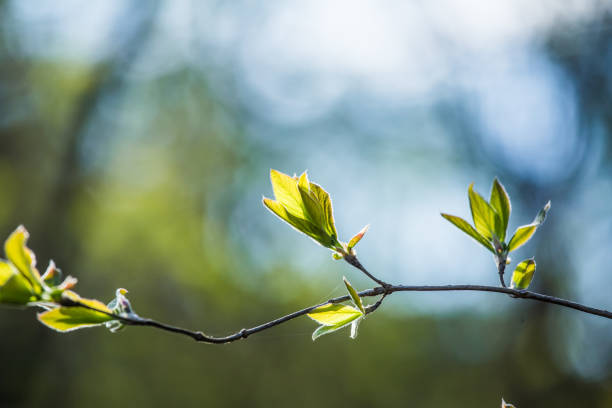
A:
<point x="385" y="291"/>
<point x="352" y="260"/>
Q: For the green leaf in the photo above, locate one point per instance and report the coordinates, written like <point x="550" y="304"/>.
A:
<point x="22" y="257"/>
<point x="314" y="210"/>
<point x="539" y="219"/>
<point x="500" y="201"/>
<point x="305" y="206"/>
<point x="333" y="314"/>
<point x="524" y="233"/>
<point x="301" y="225"/>
<point x="357" y="237"/>
<point x="14" y="288"/>
<point x="286" y="192"/>
<point x="486" y="220"/>
<point x="337" y="256"/>
<point x="6" y="272"/>
<point x="324" y="200"/>
<point x="521" y="236"/>
<point x="69" y="318"/>
<point x="523" y="274"/>
<point x="464" y="226"/>
<point x="356" y="299"/>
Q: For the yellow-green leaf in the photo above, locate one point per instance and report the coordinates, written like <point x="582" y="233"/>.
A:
<point x="357" y="237"/>
<point x="69" y="318"/>
<point x="286" y="192"/>
<point x="324" y="200"/>
<point x="333" y="314"/>
<point x="521" y="236"/>
<point x="14" y="288"/>
<point x="500" y="201"/>
<point x="523" y="274"/>
<point x="486" y="219"/>
<point x="6" y="272"/>
<point x="22" y="257"/>
<point x="314" y="210"/>
<point x="356" y="299"/>
<point x="323" y="330"/>
<point x="301" y="225"/>
<point x="464" y="226"/>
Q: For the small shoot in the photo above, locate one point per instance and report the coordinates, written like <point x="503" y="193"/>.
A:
<point x="307" y="207"/>
<point x="491" y="223"/>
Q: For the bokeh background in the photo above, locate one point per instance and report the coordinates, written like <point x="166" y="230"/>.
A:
<point x="135" y="144"/>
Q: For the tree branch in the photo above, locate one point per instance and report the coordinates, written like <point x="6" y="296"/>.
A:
<point x="380" y="290"/>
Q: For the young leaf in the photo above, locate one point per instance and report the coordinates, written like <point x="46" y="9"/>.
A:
<point x="500" y="201"/>
<point x="323" y="330"/>
<point x="539" y="219"/>
<point x="305" y="206"/>
<point x="523" y="274"/>
<point x="287" y="194"/>
<point x="524" y="233"/>
<point x="521" y="236"/>
<point x="14" y="288"/>
<point x="332" y="314"/>
<point x="356" y="299"/>
<point x="486" y="219"/>
<point x="357" y="237"/>
<point x="22" y="257"/>
<point x="69" y="318"/>
<point x="324" y="201"/>
<point x="464" y="226"/>
<point x="302" y="225"/>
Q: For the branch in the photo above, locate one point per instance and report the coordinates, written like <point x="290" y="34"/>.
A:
<point x="380" y="290"/>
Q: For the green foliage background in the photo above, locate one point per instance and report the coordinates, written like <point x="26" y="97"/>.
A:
<point x="154" y="183"/>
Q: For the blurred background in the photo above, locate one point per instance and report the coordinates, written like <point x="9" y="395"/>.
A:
<point x="136" y="140"/>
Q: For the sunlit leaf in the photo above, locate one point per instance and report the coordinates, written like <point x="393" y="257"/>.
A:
<point x="541" y="216"/>
<point x="524" y="233"/>
<point x="324" y="200"/>
<point x="523" y="274"/>
<point x="286" y="192"/>
<point x="69" y="318"/>
<point x="521" y="236"/>
<point x="464" y="226"/>
<point x="314" y="211"/>
<point x="6" y="272"/>
<point x="323" y="330"/>
<point x="305" y="206"/>
<point x="356" y="299"/>
<point x="357" y="237"/>
<point x="22" y="257"/>
<point x="14" y="288"/>
<point x="333" y="314"/>
<point x="52" y="276"/>
<point x="500" y="201"/>
<point x="301" y="225"/>
<point x="486" y="220"/>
